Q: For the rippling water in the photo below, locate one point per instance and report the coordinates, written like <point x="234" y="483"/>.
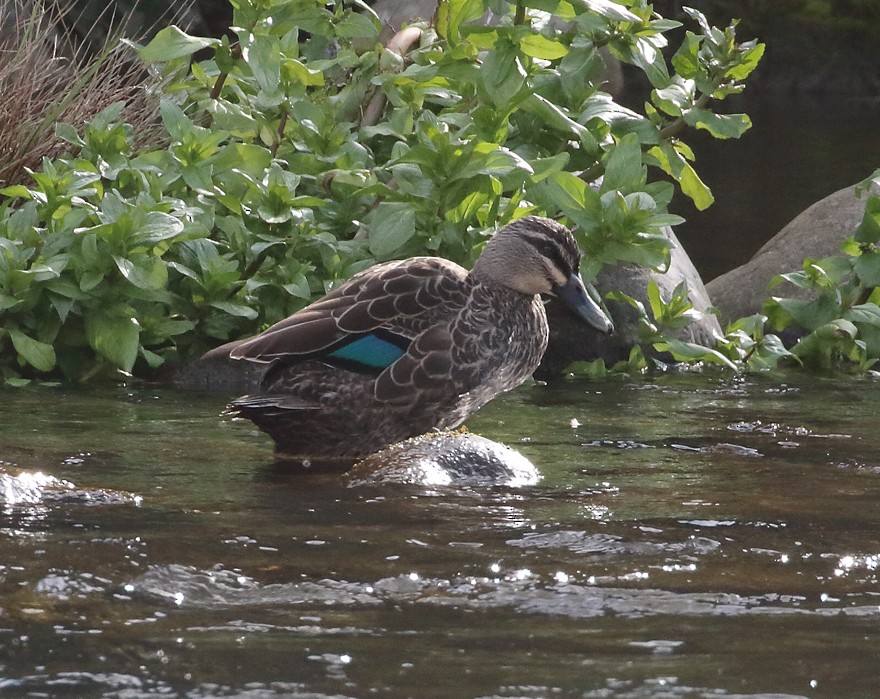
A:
<point x="690" y="537"/>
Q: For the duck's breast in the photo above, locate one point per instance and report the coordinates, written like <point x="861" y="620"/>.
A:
<point x="499" y="339"/>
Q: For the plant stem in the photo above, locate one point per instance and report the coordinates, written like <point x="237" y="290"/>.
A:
<point x="277" y="142"/>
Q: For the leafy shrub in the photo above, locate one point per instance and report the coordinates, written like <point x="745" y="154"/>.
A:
<point x="842" y="316"/>
<point x="304" y="151"/>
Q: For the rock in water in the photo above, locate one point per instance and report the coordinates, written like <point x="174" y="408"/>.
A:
<point x="446" y="458"/>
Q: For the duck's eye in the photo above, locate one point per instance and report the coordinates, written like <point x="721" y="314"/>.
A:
<point x="555" y="275"/>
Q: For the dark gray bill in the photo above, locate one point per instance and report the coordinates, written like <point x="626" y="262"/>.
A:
<point x="575" y="295"/>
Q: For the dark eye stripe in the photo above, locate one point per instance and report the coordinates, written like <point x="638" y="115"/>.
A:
<point x="550" y="249"/>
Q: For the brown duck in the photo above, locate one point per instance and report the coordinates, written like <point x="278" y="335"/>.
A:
<point x="414" y="345"/>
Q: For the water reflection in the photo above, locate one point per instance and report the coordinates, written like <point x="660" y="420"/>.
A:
<point x="28" y="497"/>
<point x="681" y="526"/>
<point x="559" y="594"/>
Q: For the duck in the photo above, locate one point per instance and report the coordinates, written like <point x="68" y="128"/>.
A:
<point x="412" y="346"/>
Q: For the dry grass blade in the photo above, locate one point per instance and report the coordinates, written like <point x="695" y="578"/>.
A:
<point x="47" y="77"/>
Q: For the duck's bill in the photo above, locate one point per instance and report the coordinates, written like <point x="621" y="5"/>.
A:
<point x="575" y="295"/>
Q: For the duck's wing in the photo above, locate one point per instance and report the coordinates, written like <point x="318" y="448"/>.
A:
<point x="425" y="369"/>
<point x="367" y="323"/>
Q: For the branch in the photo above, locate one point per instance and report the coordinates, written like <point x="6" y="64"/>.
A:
<point x="675" y="127"/>
<point x="400" y="43"/>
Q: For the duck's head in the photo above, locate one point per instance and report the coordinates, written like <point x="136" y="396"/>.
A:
<point x="535" y="255"/>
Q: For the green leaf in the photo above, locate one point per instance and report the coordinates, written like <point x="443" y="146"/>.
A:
<point x="451" y="14"/>
<point x="565" y="190"/>
<point x="748" y="61"/>
<point x="555" y="117"/>
<point x="39" y="355"/>
<point x="649" y="58"/>
<point x="807" y="313"/>
<point x="65" y="287"/>
<point x="159" y="226"/>
<point x="298" y="71"/>
<point x="623" y="168"/>
<point x="17" y="191"/>
<point x="539" y="46"/>
<point x="719" y="125"/>
<point x="177" y="123"/>
<point x="114" y="335"/>
<point x="869" y="227"/>
<point x="235" y="309"/>
<point x="90" y="279"/>
<point x="827" y="343"/>
<point x="146" y="273"/>
<point x="654" y="299"/>
<point x="502" y="74"/>
<point x="544" y="167"/>
<point x="690" y="351"/>
<point x="694" y="187"/>
<point x="674" y="99"/>
<point x="152" y="359"/>
<point x="867" y="267"/>
<point x="868" y="313"/>
<point x="608" y="9"/>
<point x="391" y="226"/>
<point x="357" y="26"/>
<point x="686" y="60"/>
<point x="171" y="42"/>
<point x="489" y="159"/>
<point x="468" y="207"/>
<point x="299" y="287"/>
<point x="590" y="370"/>
<point x="264" y="58"/>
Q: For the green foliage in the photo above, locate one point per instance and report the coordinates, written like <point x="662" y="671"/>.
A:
<point x="303" y="150"/>
<point x="657" y="329"/>
<point x="748" y="345"/>
<point x="840" y="314"/>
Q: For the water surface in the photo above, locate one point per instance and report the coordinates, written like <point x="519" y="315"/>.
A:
<point x="692" y="536"/>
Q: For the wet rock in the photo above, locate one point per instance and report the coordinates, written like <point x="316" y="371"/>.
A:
<point x="817" y="232"/>
<point x="572" y="340"/>
<point x="446" y="458"/>
<point x="28" y="489"/>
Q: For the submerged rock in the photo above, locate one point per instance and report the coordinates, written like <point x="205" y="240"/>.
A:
<point x="816" y="232"/>
<point x="24" y="488"/>
<point x="446" y="458"/>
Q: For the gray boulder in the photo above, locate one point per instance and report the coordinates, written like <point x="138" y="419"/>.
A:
<point x="572" y="340"/>
<point x="816" y="232"/>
